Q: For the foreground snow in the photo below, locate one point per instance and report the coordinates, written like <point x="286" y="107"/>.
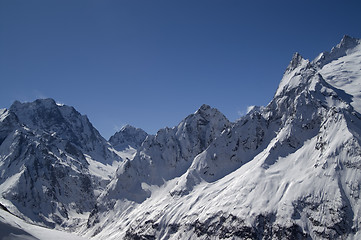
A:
<point x="12" y="228"/>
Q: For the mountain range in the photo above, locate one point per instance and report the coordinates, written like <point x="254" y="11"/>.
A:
<point x="288" y="170"/>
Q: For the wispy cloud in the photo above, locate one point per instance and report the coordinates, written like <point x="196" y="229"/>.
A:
<point x="241" y="113"/>
<point x="38" y="94"/>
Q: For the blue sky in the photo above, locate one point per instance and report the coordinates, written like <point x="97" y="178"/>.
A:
<point x="151" y="63"/>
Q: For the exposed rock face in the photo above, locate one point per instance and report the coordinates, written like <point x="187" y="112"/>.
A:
<point x="166" y="155"/>
<point x="289" y="170"/>
<point x="342" y="49"/>
<point x="44" y="165"/>
<point x="128" y="137"/>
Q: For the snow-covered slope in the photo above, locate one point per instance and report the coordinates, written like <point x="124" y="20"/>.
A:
<point x="343" y="68"/>
<point x="13" y="228"/>
<point x="290" y="170"/>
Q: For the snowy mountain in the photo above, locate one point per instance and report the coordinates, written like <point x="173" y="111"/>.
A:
<point x="166" y="155"/>
<point x="343" y="70"/>
<point x="53" y="163"/>
<point x="128" y="137"/>
<point x="127" y="141"/>
<point x="289" y="170"/>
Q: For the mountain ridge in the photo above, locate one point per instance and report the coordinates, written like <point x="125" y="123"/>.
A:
<point x="290" y="169"/>
<point x="295" y="139"/>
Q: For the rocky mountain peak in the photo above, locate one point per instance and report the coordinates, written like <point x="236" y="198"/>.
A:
<point x="40" y="114"/>
<point x="346" y="45"/>
<point x="166" y="155"/>
<point x="45" y="103"/>
<point x="128" y="136"/>
<point x="296" y="61"/>
<point x="205" y="124"/>
<point x="290" y="170"/>
<point x="204" y="108"/>
<point x="348" y="42"/>
<point x="294" y="74"/>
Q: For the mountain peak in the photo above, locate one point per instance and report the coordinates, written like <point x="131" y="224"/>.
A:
<point x="38" y="114"/>
<point x="346" y="46"/>
<point x="297" y="65"/>
<point x="348" y="42"/>
<point x="206" y="111"/>
<point x="127" y="126"/>
<point x="203" y="108"/>
<point x="45" y="102"/>
<point x="128" y="136"/>
<point x="296" y="61"/>
<point x="289" y="170"/>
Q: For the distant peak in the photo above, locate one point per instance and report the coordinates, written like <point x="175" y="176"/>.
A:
<point x="296" y="55"/>
<point x="127" y="126"/>
<point x="297" y="65"/>
<point x="38" y="101"/>
<point x="130" y="128"/>
<point x="16" y="104"/>
<point x="128" y="135"/>
<point x="205" y="110"/>
<point x="348" y="42"/>
<point x="205" y="107"/>
<point x="346" y="38"/>
<point x="296" y="61"/>
<point x="342" y="49"/>
<point x="46" y="102"/>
